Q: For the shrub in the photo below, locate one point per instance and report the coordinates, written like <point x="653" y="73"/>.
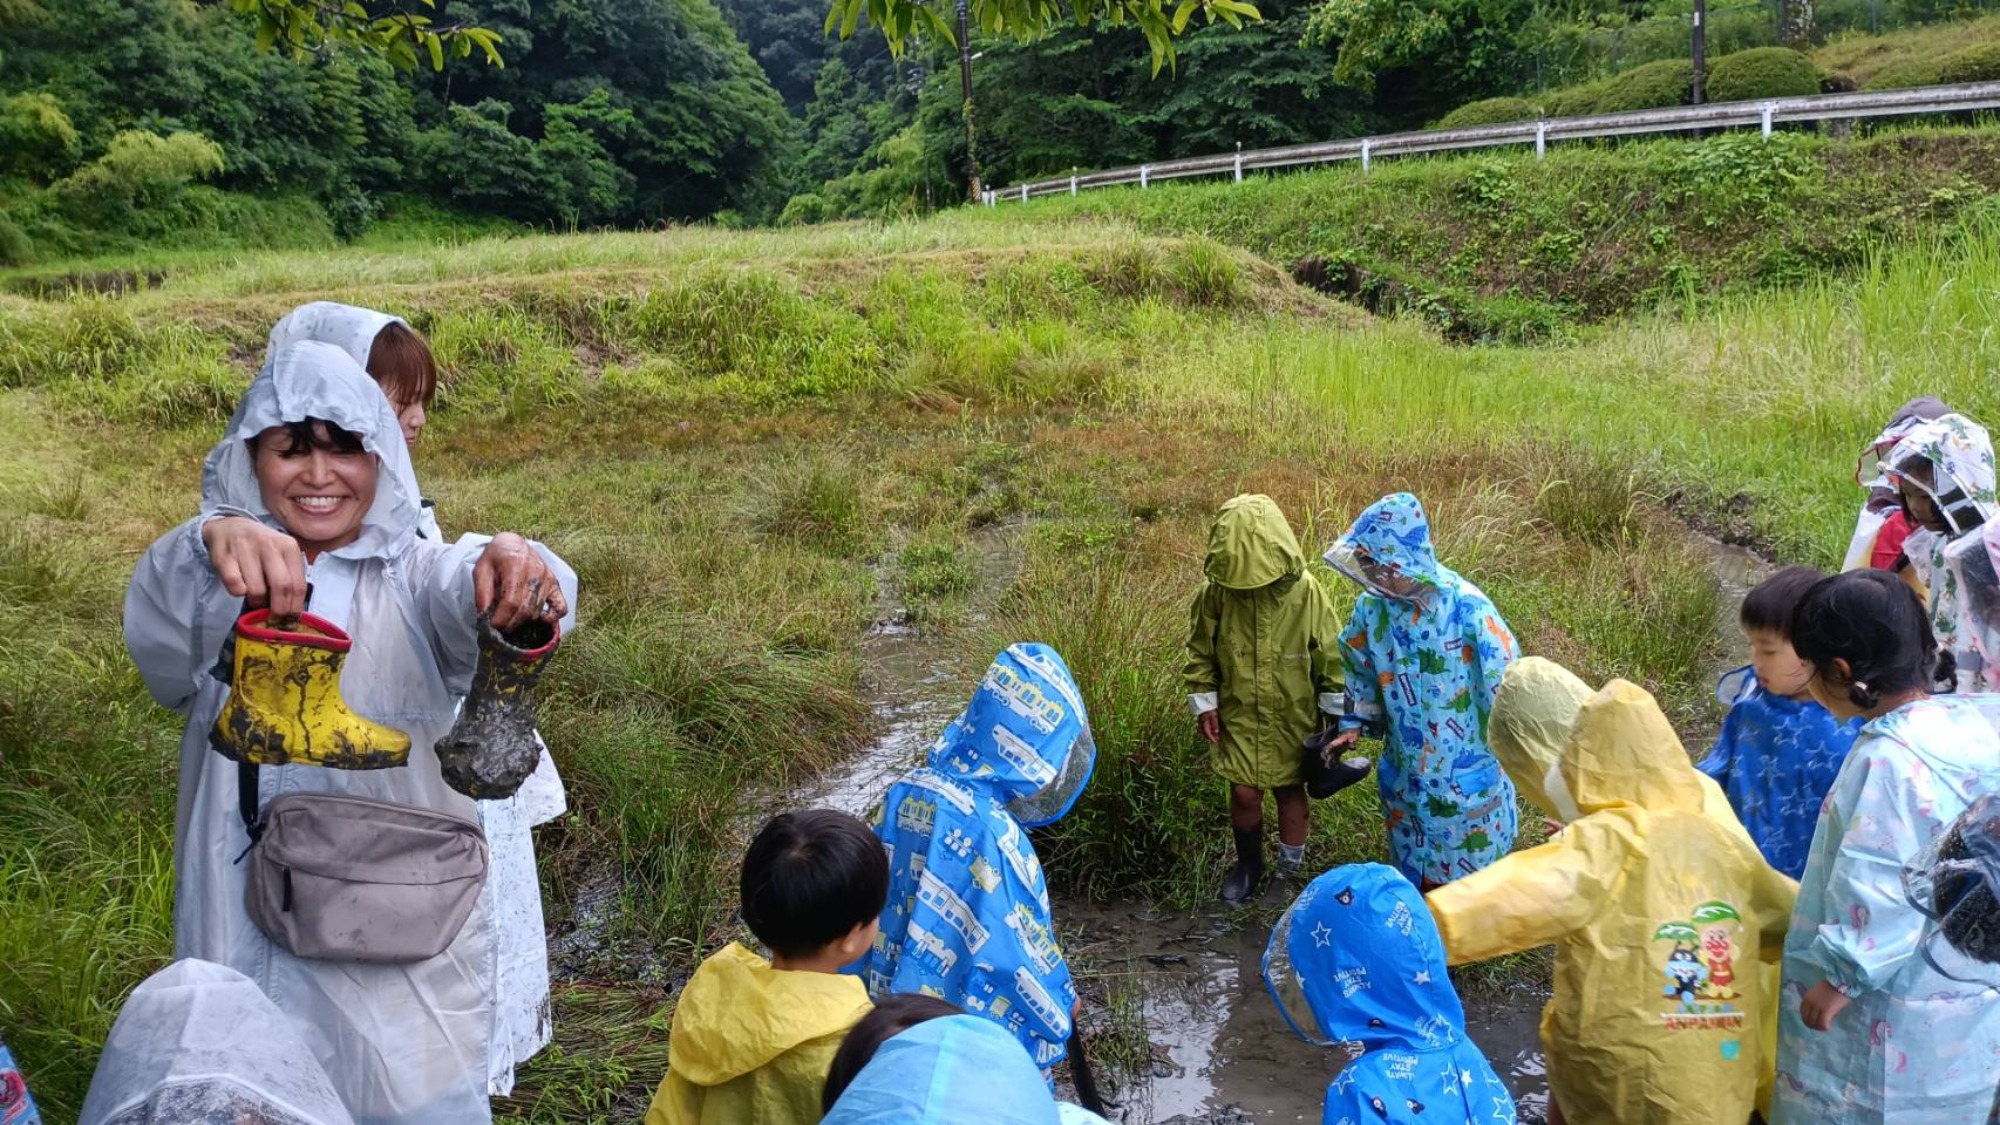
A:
<point x="140" y="167"/>
<point x="804" y="209"/>
<point x="1760" y="73"/>
<point x="1575" y="101"/>
<point x="1492" y="111"/>
<point x="16" y="248"/>
<point x="1655" y="85"/>
<point x="37" y="140"/>
<point x="1979" y="63"/>
<point x="1905" y="73"/>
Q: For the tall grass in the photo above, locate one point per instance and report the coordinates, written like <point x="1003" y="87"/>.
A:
<point x="736" y="455"/>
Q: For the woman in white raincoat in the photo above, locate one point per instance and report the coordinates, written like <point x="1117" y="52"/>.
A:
<point x="400" y="363"/>
<point x="403" y="1043"/>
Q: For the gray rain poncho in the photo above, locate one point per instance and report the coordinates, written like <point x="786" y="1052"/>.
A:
<point x="402" y="1043"/>
<point x="513" y="887"/>
<point x="197" y="1044"/>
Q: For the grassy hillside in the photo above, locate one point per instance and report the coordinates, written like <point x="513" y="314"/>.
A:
<point x="1500" y="246"/>
<point x="747" y="443"/>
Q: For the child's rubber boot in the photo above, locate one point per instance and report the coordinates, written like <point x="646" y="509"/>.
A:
<point x="1325" y="775"/>
<point x="1242" y="880"/>
<point x="492" y="748"/>
<point x="285" y="706"/>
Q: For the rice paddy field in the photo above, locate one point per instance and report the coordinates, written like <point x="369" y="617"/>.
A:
<point x="754" y="446"/>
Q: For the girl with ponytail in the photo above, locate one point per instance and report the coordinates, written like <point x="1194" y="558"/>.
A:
<point x="1869" y="1031"/>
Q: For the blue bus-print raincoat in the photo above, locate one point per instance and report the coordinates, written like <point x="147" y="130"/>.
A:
<point x="1775" y="759"/>
<point x="1423" y="662"/>
<point x="1357" y="959"/>
<point x="968" y="912"/>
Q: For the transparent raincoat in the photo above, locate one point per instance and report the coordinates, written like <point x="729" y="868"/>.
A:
<point x="1949" y="460"/>
<point x="1914" y="1045"/>
<point x="197" y="1044"/>
<point x="513" y="887"/>
<point x="968" y="912"/>
<point x="403" y="1043"/>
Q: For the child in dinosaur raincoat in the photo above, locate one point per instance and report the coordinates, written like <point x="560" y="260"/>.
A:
<point x="968" y="913"/>
<point x="1357" y="959"/>
<point x="1424" y="651"/>
<point x="1260" y="673"/>
<point x="1660" y="910"/>
<point x="1944" y="471"/>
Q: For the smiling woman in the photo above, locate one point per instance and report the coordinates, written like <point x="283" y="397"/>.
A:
<point x="313" y="506"/>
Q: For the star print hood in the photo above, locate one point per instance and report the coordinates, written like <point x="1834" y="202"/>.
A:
<point x="1357" y="959"/>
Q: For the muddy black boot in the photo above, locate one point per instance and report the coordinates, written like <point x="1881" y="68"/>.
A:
<point x="1325" y="774"/>
<point x="1242" y="880"/>
<point x="492" y="748"/>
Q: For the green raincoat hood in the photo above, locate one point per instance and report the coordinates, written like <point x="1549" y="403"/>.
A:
<point x="1251" y="545"/>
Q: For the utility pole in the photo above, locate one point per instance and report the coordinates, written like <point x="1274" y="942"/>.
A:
<point x="965" y="94"/>
<point x="1700" y="51"/>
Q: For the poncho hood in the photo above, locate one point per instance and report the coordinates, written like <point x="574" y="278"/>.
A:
<point x="316" y="380"/>
<point x="1357" y="959"/>
<point x="1024" y="738"/>
<point x="350" y="328"/>
<point x="1533" y="711"/>
<point x="1623" y="751"/>
<point x="1393" y="534"/>
<point x="1960" y="455"/>
<point x="737" y="1014"/>
<point x="1251" y="545"/>
<point x="948" y="1071"/>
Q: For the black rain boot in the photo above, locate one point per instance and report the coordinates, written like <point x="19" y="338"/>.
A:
<point x="492" y="748"/>
<point x="1242" y="880"/>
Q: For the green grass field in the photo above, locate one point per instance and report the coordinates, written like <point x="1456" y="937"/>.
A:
<point x="739" y="438"/>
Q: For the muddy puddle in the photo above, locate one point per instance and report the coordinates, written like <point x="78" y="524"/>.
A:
<point x="1198" y="1040"/>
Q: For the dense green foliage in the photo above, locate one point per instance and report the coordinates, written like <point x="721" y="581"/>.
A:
<point x="609" y="111"/>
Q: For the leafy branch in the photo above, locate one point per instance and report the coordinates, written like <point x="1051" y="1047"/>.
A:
<point x="1160" y="21"/>
<point x="403" y="35"/>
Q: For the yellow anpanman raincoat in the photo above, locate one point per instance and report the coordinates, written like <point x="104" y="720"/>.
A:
<point x="1661" y="908"/>
<point x="753" y="1043"/>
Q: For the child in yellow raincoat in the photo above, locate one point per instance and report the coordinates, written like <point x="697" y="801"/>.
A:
<point x="1263" y="667"/>
<point x="1661" y="908"/>
<point x="752" y="1039"/>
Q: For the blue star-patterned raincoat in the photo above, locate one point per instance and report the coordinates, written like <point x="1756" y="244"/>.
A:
<point x="1914" y="1047"/>
<point x="968" y="913"/>
<point x="1423" y="663"/>
<point x="1357" y="959"/>
<point x="1776" y="758"/>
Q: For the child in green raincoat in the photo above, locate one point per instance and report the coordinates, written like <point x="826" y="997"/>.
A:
<point x="1263" y="655"/>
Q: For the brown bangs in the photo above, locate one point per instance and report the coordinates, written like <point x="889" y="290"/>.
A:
<point x="401" y="364"/>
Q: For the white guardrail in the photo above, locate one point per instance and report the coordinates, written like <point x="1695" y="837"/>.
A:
<point x="1677" y="119"/>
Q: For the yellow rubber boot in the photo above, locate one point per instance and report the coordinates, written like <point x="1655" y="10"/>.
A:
<point x="285" y="705"/>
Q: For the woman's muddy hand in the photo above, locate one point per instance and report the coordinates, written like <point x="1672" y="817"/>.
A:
<point x="262" y="566"/>
<point x="514" y="583"/>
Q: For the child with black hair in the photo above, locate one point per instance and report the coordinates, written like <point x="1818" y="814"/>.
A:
<point x="752" y="1039"/>
<point x="1870" y="1031"/>
<point x="1779" y="750"/>
<point x="894" y="1015"/>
